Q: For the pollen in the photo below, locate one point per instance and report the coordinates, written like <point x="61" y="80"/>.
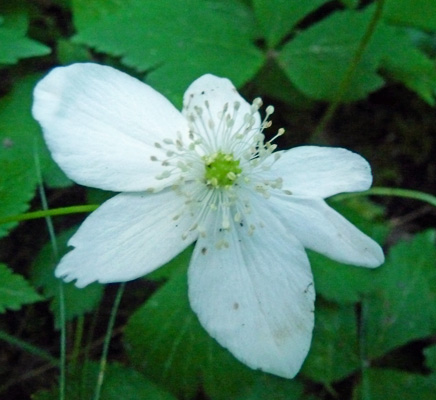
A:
<point x="221" y="170"/>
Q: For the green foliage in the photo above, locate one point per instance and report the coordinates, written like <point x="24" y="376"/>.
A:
<point x="77" y="301"/>
<point x="297" y="52"/>
<point x="399" y="311"/>
<point x="15" y="291"/>
<point x="278" y="17"/>
<point x="20" y="135"/>
<point x="419" y="13"/>
<point x="173" y="49"/>
<point x="14" y="45"/>
<point x="395" y="385"/>
<point x="120" y="382"/>
<point x="334" y="353"/>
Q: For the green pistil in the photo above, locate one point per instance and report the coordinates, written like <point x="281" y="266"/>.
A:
<point x="221" y="170"/>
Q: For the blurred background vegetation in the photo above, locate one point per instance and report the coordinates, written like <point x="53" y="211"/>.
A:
<point x="350" y="73"/>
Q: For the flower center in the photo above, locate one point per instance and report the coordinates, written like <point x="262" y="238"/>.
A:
<point x="221" y="170"/>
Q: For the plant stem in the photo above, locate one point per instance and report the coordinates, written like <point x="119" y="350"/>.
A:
<point x="349" y="74"/>
<point x="49" y="213"/>
<point x="385" y="191"/>
<point x="107" y="340"/>
<point x="28" y="347"/>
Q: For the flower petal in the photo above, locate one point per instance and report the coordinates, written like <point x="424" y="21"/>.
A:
<point x="129" y="236"/>
<point x="256" y="296"/>
<point x="322" y="229"/>
<point x="101" y="125"/>
<point x="322" y="171"/>
<point x="205" y="101"/>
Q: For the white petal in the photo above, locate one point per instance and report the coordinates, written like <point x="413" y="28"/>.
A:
<point x="322" y="229"/>
<point x="322" y="171"/>
<point x="212" y="95"/>
<point x="255" y="297"/>
<point x="129" y="236"/>
<point x="101" y="125"/>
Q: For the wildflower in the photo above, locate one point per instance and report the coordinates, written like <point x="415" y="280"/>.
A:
<point x="205" y="175"/>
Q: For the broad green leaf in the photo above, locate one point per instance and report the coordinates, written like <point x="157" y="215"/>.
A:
<point x="334" y="353"/>
<point x="317" y="59"/>
<point x="14" y="47"/>
<point x="86" y="12"/>
<point x="405" y="63"/>
<point x="400" y="310"/>
<point x="395" y="385"/>
<point x="270" y="387"/>
<point x="77" y="301"/>
<point x="165" y="340"/>
<point x="15" y="291"/>
<point x="20" y="136"/>
<point x="177" y="41"/>
<point x="120" y="383"/>
<point x="278" y="17"/>
<point x="17" y="188"/>
<point x="419" y="13"/>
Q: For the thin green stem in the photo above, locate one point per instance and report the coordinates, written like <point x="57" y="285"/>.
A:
<point x="349" y="73"/>
<point x="385" y="191"/>
<point x="55" y="249"/>
<point x="364" y="363"/>
<point x="49" y="213"/>
<point x="107" y="340"/>
<point x="78" y="337"/>
<point x="30" y="348"/>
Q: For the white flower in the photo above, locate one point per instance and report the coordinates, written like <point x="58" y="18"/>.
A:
<point x="205" y="175"/>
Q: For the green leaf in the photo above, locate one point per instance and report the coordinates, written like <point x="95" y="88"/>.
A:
<point x="405" y="63"/>
<point x="334" y="353"/>
<point x="17" y="188"/>
<point x="177" y="41"/>
<point x="15" y="290"/>
<point x="267" y="386"/>
<point x="120" y="383"/>
<point x="419" y="13"/>
<point x="395" y="385"/>
<point x="317" y="59"/>
<point x="165" y="340"/>
<point x="14" y="45"/>
<point x="278" y="17"/>
<point x="14" y="48"/>
<point x="20" y="135"/>
<point x="77" y="301"/>
<point x="399" y="311"/>
<point x="430" y="357"/>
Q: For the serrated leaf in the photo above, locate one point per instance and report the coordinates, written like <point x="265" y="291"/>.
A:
<point x="17" y="188"/>
<point x="334" y="353"/>
<point x="20" y="135"/>
<point x="419" y="13"/>
<point x="120" y="383"/>
<point x="165" y="340"/>
<point x="77" y="301"/>
<point x="15" y="291"/>
<point x="399" y="311"/>
<point x="405" y="63"/>
<point x="14" y="48"/>
<point x="177" y="41"/>
<point x="278" y="17"/>
<point x="317" y="59"/>
<point x="395" y="385"/>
